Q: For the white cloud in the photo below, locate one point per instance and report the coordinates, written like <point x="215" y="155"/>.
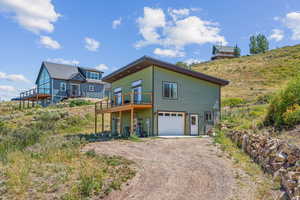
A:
<point x="102" y="67"/>
<point x="33" y="15"/>
<point x="193" y="30"/>
<point x="168" y="53"/>
<point x="49" y="43"/>
<point x="148" y="25"/>
<point x="116" y="23"/>
<point x="192" y="61"/>
<point x="91" y="44"/>
<point x="178" y="13"/>
<point x="174" y="35"/>
<point x="13" y="77"/>
<point x="7" y="92"/>
<point x="277" y="35"/>
<point x="63" y="61"/>
<point x="292" y="21"/>
<point x="7" y="88"/>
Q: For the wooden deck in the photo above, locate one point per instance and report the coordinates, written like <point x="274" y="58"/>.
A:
<point x="126" y="102"/>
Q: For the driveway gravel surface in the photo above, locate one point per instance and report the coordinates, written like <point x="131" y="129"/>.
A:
<point x="179" y="169"/>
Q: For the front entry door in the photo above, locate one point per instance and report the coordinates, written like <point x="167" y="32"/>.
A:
<point x="194" y="124"/>
<point x="75" y="90"/>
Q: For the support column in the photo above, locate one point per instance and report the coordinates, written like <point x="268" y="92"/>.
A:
<point x="96" y="118"/>
<point x="102" y="122"/>
<point x="131" y="122"/>
<point x="120" y="118"/>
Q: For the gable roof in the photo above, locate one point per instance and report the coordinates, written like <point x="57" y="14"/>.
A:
<point x="65" y="72"/>
<point x="147" y="61"/>
<point x="227" y="49"/>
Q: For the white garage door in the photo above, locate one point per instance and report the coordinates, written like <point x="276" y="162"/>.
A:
<point x="170" y="123"/>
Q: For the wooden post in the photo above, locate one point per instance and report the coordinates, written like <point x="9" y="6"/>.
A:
<point x="110" y="122"/>
<point x="131" y="122"/>
<point x="120" y="118"/>
<point x="95" y="117"/>
<point x="20" y="105"/>
<point x="132" y="97"/>
<point x="102" y="123"/>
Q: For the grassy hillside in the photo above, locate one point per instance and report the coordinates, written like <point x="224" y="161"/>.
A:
<point x="253" y="76"/>
<point x="41" y="157"/>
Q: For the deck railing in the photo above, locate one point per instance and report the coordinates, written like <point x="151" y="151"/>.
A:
<point x="132" y="98"/>
<point x="33" y="92"/>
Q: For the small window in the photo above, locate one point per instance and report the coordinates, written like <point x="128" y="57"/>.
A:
<point x="170" y="90"/>
<point x="161" y="114"/>
<point x="167" y="114"/>
<point x="179" y="115"/>
<point x="91" y="88"/>
<point x="173" y="114"/>
<point x="136" y="83"/>
<point x="62" y="87"/>
<point x="208" y="116"/>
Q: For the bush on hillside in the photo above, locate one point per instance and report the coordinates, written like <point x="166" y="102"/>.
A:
<point x="233" y="102"/>
<point x="264" y="99"/>
<point x="79" y="102"/>
<point x="284" y="107"/>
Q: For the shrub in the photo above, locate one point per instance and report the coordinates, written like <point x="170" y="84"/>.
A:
<point x="264" y="99"/>
<point x="282" y="102"/>
<point x="233" y="102"/>
<point x="79" y="102"/>
<point x="292" y="116"/>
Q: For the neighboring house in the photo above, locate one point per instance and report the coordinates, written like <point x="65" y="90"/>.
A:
<point x="150" y="97"/>
<point x="56" y="82"/>
<point x="221" y="52"/>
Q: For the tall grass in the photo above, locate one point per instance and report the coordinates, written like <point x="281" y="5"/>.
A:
<point x="38" y="161"/>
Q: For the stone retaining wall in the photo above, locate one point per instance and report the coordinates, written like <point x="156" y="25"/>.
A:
<point x="276" y="157"/>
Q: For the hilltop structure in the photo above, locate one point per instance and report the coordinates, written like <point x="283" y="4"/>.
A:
<point x="221" y="52"/>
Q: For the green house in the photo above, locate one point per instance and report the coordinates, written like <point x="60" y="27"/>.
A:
<point x="150" y="97"/>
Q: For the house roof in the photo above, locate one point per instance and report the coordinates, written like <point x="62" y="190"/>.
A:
<point x="147" y="61"/>
<point x="226" y="49"/>
<point x="66" y="72"/>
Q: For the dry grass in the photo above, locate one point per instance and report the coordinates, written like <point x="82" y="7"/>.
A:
<point x="253" y="76"/>
<point x="52" y="166"/>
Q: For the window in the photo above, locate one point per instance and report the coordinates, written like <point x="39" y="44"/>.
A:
<point x="170" y="90"/>
<point x="208" y="116"/>
<point x="93" y="75"/>
<point x="118" y="96"/>
<point x="62" y="87"/>
<point x="193" y="120"/>
<point x="91" y="88"/>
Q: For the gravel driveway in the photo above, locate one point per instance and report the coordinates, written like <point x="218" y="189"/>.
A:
<point x="167" y="169"/>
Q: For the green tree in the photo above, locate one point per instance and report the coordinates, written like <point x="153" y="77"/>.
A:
<point x="253" y="45"/>
<point x="262" y="43"/>
<point x="183" y="64"/>
<point x="258" y="44"/>
<point x="237" y="51"/>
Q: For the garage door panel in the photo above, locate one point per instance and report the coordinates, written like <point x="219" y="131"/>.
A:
<point x="170" y="123"/>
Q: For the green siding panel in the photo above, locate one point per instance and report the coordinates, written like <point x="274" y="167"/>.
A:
<point x="195" y="96"/>
<point x="125" y="83"/>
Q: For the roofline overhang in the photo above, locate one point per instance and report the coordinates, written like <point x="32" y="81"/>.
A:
<point x="146" y="61"/>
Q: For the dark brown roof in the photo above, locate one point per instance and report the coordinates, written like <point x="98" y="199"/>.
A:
<point x="146" y="61"/>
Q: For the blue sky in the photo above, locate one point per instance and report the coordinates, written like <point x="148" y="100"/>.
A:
<point x="111" y="34"/>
